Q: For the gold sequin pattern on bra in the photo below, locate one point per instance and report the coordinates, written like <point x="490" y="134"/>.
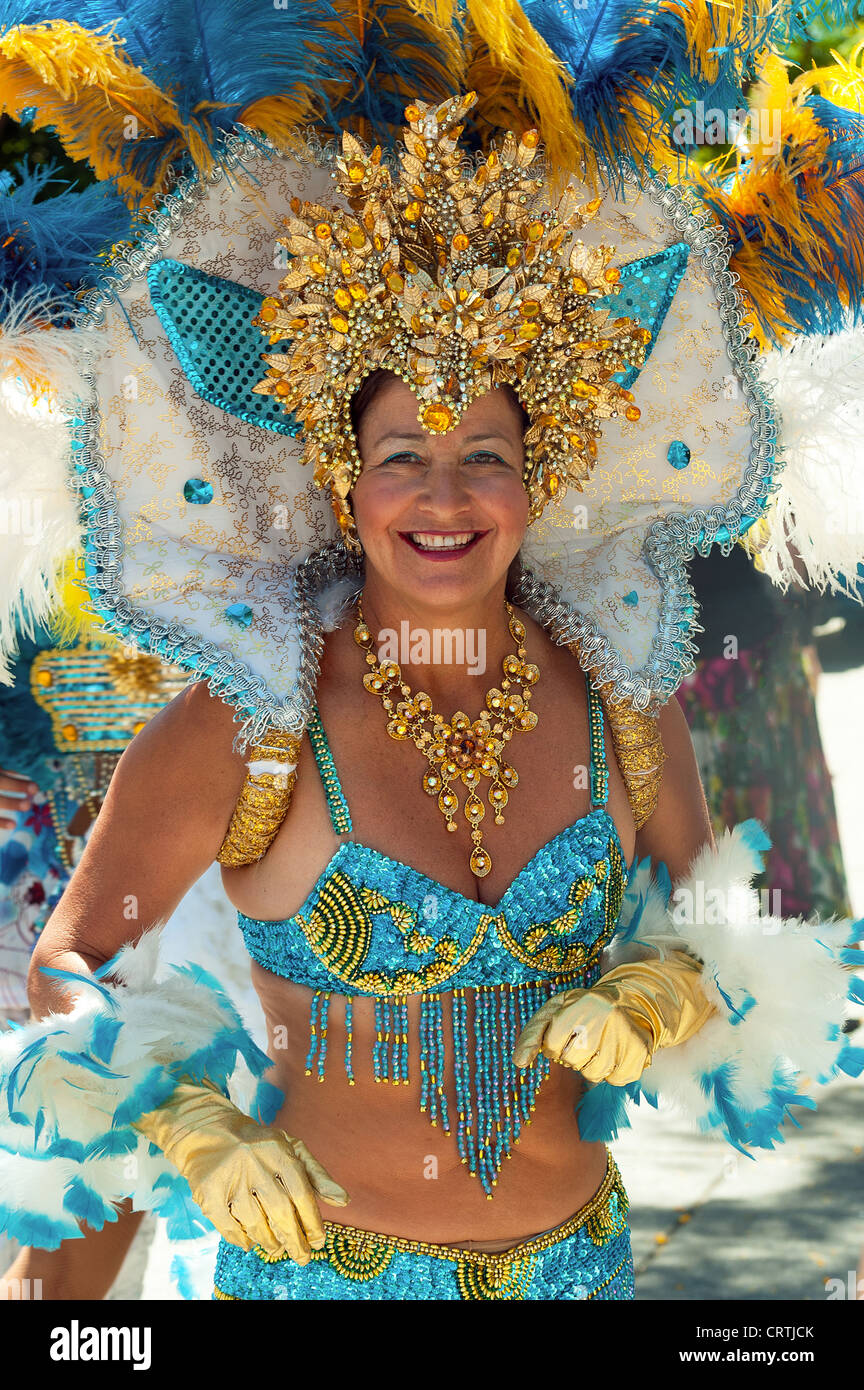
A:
<point x="558" y="957"/>
<point x="339" y="930"/>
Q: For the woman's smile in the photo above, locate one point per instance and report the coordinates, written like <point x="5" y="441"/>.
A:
<point x="442" y="545"/>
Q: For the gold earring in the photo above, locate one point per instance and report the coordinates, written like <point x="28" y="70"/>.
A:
<point x="347" y="525"/>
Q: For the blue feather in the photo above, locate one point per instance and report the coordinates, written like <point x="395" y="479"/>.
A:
<point x="32" y="1052"/>
<point x="856" y="990"/>
<point x="80" y="1059"/>
<point x="756" y="838"/>
<point x="183" y="1276"/>
<point x="149" y="1094"/>
<point x="113" y="1143"/>
<point x="602" y="1112"/>
<point x="33" y="1228"/>
<point x="73" y="977"/>
<point x="850" y="1060"/>
<point x="103" y="1037"/>
<point x="66" y="1148"/>
<point x="87" y="1206"/>
<point x="185" y="1220"/>
<point x="266" y="1103"/>
<point x="51" y="235"/>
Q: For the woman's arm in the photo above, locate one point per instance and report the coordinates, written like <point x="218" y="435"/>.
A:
<point x="160" y="827"/>
<point x="680" y="824"/>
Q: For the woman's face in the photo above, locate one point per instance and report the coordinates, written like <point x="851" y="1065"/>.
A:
<point x="440" y="517"/>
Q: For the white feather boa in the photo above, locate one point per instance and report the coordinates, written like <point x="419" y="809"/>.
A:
<point x="72" y="1084"/>
<point x="779" y="987"/>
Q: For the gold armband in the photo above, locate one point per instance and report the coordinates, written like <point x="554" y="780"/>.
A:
<point x="263" y="803"/>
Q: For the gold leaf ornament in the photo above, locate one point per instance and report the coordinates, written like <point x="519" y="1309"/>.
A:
<point x="459" y="280"/>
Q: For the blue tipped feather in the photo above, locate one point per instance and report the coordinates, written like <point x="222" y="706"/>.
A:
<point x="602" y="1112"/>
<point x="185" y="1220"/>
<point x="66" y="1148"/>
<point x="756" y="838"/>
<point x="103" y="1037"/>
<point x="73" y="977"/>
<point x="32" y="1228"/>
<point x="87" y="1206"/>
<point x="81" y="1059"/>
<point x="850" y="1060"/>
<point x="149" y="1094"/>
<point x="114" y="1143"/>
<point x="266" y="1103"/>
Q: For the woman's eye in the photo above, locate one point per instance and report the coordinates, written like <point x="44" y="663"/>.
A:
<point x="485" y="457"/>
<point x="401" y="458"/>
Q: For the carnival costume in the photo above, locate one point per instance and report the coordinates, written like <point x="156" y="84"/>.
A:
<point x="212" y="373"/>
<point x="71" y="709"/>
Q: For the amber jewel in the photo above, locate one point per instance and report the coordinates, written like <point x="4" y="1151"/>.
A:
<point x="459" y="279"/>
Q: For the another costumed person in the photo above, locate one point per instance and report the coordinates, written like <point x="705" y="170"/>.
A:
<point x="474" y="395"/>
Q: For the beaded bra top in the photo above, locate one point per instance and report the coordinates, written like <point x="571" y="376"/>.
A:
<point x="374" y="926"/>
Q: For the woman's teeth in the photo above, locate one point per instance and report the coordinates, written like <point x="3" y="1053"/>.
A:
<point x="426" y="541"/>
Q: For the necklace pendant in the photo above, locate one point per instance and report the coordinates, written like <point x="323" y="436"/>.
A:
<point x="480" y="861"/>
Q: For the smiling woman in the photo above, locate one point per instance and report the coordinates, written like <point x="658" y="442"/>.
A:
<point x="441" y="867"/>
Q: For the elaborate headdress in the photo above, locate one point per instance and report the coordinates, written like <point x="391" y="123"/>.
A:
<point x="458" y="279"/>
<point x="209" y="542"/>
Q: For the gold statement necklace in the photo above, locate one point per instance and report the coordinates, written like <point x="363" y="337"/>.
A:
<point x="460" y="750"/>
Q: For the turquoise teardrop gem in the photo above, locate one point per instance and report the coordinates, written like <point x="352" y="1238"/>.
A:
<point x="678" y="454"/>
<point x="197" y="490"/>
<point x="632" y="598"/>
<point x="239" y="613"/>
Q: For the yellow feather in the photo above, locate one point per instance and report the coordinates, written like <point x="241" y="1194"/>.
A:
<point x="82" y="84"/>
<point x="439" y="12"/>
<point x="69" y="623"/>
<point x="515" y="71"/>
<point x="712" y="24"/>
<point x="842" y="83"/>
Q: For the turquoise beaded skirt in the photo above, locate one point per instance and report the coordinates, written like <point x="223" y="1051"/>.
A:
<point x="588" y="1257"/>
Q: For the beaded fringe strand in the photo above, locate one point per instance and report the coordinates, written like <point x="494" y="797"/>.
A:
<point x="494" y="1098"/>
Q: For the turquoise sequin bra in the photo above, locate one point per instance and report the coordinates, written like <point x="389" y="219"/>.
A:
<point x="374" y="926"/>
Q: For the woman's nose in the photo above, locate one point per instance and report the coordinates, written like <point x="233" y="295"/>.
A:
<point x="444" y="488"/>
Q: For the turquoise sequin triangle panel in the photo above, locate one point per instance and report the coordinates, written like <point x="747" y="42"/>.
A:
<point x="208" y="321"/>
<point x="648" y="287"/>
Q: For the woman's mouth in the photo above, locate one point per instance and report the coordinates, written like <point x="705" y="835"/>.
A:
<point x="442" y="545"/>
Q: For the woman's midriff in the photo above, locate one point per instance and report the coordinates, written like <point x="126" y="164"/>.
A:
<point x="405" y="1177"/>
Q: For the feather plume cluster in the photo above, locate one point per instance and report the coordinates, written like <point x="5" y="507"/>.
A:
<point x="779" y="986"/>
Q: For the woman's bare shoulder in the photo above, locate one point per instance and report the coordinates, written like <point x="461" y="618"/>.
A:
<point x="680" y="824"/>
<point x="186" y="751"/>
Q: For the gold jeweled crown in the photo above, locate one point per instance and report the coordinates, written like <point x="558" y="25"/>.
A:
<point x="458" y="279"/>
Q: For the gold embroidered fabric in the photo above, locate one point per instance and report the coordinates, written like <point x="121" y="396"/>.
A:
<point x="263" y="802"/>
<point x="638" y="746"/>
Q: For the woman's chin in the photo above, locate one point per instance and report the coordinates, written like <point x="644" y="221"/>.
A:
<point x="456" y="581"/>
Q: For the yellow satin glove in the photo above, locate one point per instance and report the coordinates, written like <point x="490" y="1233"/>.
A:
<point x="611" y="1031"/>
<point x="255" y="1183"/>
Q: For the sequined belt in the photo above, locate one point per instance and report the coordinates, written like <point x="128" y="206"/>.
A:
<point x="581" y="1259"/>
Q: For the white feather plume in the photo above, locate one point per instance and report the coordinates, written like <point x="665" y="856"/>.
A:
<point x="818" y="512"/>
<point x="779" y="987"/>
<point x="51" y="1088"/>
<point x="40" y="379"/>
